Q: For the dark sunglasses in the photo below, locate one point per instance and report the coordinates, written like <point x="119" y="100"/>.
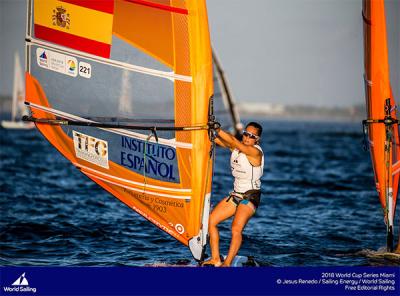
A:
<point x="250" y="135"/>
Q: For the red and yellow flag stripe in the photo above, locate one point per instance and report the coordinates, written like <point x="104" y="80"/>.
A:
<point x="78" y="24"/>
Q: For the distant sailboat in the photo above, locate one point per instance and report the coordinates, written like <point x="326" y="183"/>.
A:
<point x="18" y="108"/>
<point x="125" y="102"/>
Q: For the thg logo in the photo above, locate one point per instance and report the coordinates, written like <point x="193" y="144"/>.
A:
<point x="91" y="144"/>
<point x="91" y="149"/>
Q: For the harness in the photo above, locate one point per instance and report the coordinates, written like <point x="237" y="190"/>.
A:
<point x="252" y="195"/>
<point x="235" y="197"/>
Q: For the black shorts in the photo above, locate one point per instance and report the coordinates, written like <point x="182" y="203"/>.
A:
<point x="253" y="196"/>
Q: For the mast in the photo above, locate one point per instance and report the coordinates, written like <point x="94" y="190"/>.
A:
<point x="227" y="95"/>
<point x="389" y="214"/>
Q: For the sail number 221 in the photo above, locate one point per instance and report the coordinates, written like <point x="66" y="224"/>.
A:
<point x="85" y="70"/>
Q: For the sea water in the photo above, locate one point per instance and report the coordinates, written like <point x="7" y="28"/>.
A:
<point x="319" y="205"/>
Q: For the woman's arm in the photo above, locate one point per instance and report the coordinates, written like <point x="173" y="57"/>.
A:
<point x="221" y="143"/>
<point x="232" y="143"/>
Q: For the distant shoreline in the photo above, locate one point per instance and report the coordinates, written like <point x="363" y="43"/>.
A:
<point x="301" y="112"/>
<point x="247" y="117"/>
<point x="269" y="112"/>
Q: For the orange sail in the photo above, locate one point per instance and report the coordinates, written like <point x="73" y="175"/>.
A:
<point x="125" y="97"/>
<point x="382" y="123"/>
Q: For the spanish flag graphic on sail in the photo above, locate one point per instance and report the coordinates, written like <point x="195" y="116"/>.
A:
<point x="77" y="24"/>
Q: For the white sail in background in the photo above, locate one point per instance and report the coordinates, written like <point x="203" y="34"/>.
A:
<point x="125" y="102"/>
<point x="18" y="90"/>
<point x="18" y="108"/>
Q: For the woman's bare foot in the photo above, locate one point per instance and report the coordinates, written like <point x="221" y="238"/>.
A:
<point x="225" y="265"/>
<point x="212" y="262"/>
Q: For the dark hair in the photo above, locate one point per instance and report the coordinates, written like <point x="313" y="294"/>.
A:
<point x="257" y="126"/>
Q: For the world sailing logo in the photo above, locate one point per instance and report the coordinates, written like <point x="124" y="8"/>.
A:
<point x="21" y="281"/>
<point x="43" y="60"/>
<point x="43" y="56"/>
<point x="21" y="284"/>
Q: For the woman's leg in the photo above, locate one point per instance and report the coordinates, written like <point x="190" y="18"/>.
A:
<point x="242" y="216"/>
<point x="221" y="212"/>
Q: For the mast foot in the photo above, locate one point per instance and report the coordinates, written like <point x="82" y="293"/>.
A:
<point x="389" y="239"/>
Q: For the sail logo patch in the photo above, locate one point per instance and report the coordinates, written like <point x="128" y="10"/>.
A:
<point x="179" y="228"/>
<point x="57" y="62"/>
<point x="149" y="159"/>
<point x="42" y="58"/>
<point x="61" y="18"/>
<point x="91" y="149"/>
<point x="71" y="66"/>
<point x="21" y="284"/>
<point x="85" y="70"/>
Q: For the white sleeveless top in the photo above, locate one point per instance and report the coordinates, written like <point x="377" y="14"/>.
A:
<point x="246" y="175"/>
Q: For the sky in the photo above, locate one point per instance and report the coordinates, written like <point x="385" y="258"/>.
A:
<point x="12" y="35"/>
<point x="292" y="52"/>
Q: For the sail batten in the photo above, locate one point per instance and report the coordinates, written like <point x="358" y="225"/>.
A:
<point x="139" y="190"/>
<point x="159" y="6"/>
<point x="106" y="6"/>
<point x="141" y="185"/>
<point x="135" y="68"/>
